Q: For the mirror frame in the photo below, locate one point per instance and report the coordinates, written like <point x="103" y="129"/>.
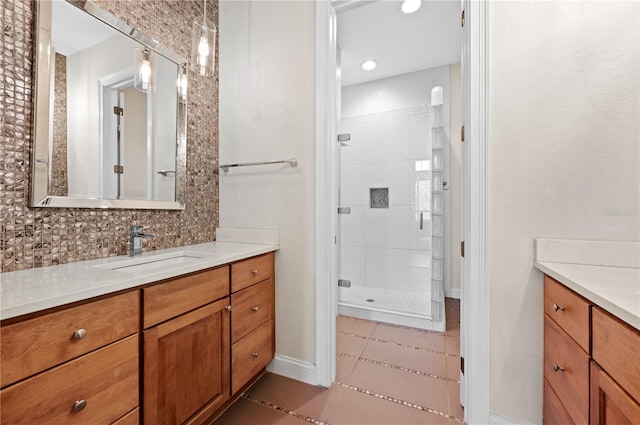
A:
<point x="43" y="117"/>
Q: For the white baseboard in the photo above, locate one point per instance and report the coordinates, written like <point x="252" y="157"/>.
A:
<point x="455" y="293"/>
<point x="294" y="369"/>
<point x="495" y="419"/>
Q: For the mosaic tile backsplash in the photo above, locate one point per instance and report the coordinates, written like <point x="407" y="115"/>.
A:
<point x="36" y="237"/>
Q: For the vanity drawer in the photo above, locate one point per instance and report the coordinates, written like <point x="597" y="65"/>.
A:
<point x="131" y="418"/>
<point x="616" y="347"/>
<point x="106" y="379"/>
<point x="566" y="367"/>
<point x="252" y="270"/>
<point x="169" y="299"/>
<point x="554" y="412"/>
<point x="250" y="355"/>
<point x="567" y="309"/>
<point x="251" y="307"/>
<point x="33" y="345"/>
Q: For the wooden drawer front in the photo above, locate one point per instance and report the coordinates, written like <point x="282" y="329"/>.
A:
<point x="250" y="355"/>
<point x="33" y="345"/>
<point x="252" y="270"/>
<point x="170" y="299"/>
<point x="610" y="404"/>
<point x="567" y="309"/>
<point x="616" y="347"/>
<point x="106" y="379"/>
<point x="131" y="418"/>
<point x="554" y="412"/>
<point x="251" y="307"/>
<point x="571" y="384"/>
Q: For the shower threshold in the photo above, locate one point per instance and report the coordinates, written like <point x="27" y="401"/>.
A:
<point x="383" y="305"/>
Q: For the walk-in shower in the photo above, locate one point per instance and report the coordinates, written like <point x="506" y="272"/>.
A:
<point x="393" y="173"/>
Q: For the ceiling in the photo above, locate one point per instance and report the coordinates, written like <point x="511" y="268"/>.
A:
<point x="400" y="42"/>
<point x="69" y="21"/>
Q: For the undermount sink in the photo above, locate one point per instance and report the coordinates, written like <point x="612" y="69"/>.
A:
<point x="142" y="264"/>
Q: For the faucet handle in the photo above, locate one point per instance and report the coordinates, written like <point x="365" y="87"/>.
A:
<point x="139" y="231"/>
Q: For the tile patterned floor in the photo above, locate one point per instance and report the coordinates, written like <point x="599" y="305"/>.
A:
<point x="386" y="374"/>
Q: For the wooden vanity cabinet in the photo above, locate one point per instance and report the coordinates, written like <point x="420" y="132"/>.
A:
<point x="205" y="336"/>
<point x="566" y="351"/>
<point x="77" y="365"/>
<point x="186" y="354"/>
<point x="252" y="318"/>
<point x="615" y="370"/>
<point x="591" y="362"/>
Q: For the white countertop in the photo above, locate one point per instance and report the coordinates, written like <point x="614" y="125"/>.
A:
<point x="29" y="291"/>
<point x="614" y="285"/>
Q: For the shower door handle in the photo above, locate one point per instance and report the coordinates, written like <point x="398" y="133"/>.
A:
<point x="421" y="220"/>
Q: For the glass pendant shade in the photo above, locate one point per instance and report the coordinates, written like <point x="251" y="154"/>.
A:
<point x="203" y="52"/>
<point x="144" y="76"/>
<point x="182" y="83"/>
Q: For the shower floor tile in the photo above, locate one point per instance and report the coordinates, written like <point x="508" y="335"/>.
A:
<point x="388" y="375"/>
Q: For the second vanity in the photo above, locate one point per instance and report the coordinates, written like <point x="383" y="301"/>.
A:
<point x="171" y="337"/>
<point x="591" y="331"/>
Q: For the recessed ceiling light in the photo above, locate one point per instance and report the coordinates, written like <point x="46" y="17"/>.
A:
<point x="369" y="64"/>
<point x="410" y="6"/>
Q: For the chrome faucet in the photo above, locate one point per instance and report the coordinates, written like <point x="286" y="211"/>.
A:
<point x="135" y="240"/>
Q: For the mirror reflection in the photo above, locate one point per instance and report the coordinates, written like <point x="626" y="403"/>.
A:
<point x="115" y="105"/>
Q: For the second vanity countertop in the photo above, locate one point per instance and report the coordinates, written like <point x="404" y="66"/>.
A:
<point x="33" y="290"/>
<point x="603" y="272"/>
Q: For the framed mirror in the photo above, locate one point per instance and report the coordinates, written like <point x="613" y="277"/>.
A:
<point x="110" y="113"/>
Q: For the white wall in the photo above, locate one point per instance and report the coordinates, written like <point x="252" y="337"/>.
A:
<point x="134" y="145"/>
<point x="83" y="71"/>
<point x="564" y="161"/>
<point x="267" y="111"/>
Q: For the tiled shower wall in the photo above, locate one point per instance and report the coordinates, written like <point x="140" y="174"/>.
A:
<point x="37" y="237"/>
<point x="390" y="147"/>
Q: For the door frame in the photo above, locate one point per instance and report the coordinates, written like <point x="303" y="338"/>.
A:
<point x="475" y="206"/>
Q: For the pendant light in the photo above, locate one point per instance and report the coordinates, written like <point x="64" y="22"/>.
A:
<point x="203" y="51"/>
<point x="144" y="78"/>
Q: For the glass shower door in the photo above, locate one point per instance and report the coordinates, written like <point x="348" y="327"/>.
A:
<point x="385" y="226"/>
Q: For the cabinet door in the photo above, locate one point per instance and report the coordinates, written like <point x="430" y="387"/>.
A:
<point x="610" y="403"/>
<point x="186" y="365"/>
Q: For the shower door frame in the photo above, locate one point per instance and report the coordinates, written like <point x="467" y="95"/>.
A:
<point x="475" y="205"/>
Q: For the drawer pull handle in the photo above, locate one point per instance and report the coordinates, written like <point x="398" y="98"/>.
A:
<point x="78" y="405"/>
<point x="255" y="354"/>
<point x="79" y="334"/>
<point x="557" y="368"/>
<point x="557" y="307"/>
<point x="255" y="309"/>
<point x="254" y="271"/>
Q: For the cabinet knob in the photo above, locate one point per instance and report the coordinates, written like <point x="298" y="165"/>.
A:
<point x="228" y="308"/>
<point x="79" y="334"/>
<point x="255" y="354"/>
<point x="557" y="368"/>
<point x="254" y="271"/>
<point x="78" y="405"/>
<point x="255" y="309"/>
<point x="557" y="307"/>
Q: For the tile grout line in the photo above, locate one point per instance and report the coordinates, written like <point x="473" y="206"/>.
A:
<point x="400" y="345"/>
<point x="400" y="402"/>
<point x="404" y="369"/>
<point x="272" y="406"/>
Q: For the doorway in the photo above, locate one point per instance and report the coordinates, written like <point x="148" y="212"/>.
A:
<point x="395" y="107"/>
<point x="474" y="205"/>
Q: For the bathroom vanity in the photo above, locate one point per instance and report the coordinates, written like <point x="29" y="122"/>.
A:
<point x="591" y="332"/>
<point x="174" y="338"/>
